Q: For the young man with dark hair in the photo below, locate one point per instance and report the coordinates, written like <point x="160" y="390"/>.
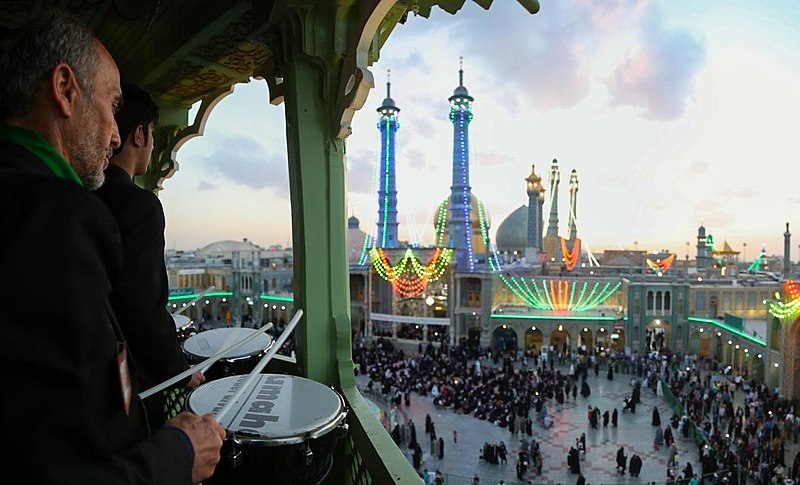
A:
<point x="70" y="399"/>
<point x="140" y="293"/>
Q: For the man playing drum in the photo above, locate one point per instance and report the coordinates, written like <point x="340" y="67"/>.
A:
<point x="70" y="400"/>
<point x="140" y="293"/>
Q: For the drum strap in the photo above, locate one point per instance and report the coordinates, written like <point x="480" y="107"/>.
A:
<point x="112" y="317"/>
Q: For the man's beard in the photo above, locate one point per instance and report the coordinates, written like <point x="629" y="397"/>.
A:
<point x="89" y="152"/>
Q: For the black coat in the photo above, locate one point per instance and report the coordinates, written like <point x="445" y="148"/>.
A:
<point x="60" y="251"/>
<point x="140" y="293"/>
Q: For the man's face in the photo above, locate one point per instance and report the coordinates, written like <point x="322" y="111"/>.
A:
<point x="96" y="132"/>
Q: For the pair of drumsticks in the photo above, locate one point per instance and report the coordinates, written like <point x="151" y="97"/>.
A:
<point x="203" y="366"/>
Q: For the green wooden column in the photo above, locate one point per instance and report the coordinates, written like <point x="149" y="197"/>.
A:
<point x="316" y="175"/>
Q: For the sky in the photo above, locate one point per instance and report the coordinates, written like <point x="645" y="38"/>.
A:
<point x="674" y="114"/>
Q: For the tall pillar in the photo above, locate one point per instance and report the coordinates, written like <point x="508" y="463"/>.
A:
<point x="787" y="253"/>
<point x="573" y="205"/>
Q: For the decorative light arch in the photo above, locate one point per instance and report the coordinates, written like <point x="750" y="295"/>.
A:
<point x="790" y="309"/>
<point x="560" y="294"/>
<point x="661" y="265"/>
<point x="409" y="276"/>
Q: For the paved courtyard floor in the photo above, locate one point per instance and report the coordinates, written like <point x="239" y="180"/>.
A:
<point x="634" y="433"/>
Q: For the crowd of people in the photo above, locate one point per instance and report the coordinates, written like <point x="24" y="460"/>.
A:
<point x="737" y="444"/>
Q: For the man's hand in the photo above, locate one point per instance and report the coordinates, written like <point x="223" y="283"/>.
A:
<point x="206" y="436"/>
<point x="196" y="379"/>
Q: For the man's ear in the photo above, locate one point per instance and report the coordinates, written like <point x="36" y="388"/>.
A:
<point x="64" y="89"/>
<point x="138" y="136"/>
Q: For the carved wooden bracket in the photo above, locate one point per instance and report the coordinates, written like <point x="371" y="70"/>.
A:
<point x="168" y="139"/>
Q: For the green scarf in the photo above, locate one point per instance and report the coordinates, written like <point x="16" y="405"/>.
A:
<point x="40" y="147"/>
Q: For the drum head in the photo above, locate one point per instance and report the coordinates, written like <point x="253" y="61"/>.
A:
<point x="181" y="321"/>
<point x="275" y="410"/>
<point x="207" y="344"/>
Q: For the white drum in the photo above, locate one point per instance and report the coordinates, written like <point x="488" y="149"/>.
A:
<point x="201" y="346"/>
<point x="283" y="429"/>
<point x="184" y="327"/>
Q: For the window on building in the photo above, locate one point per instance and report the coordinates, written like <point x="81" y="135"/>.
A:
<point x="700" y="303"/>
<point x="649" y="300"/>
<point x="667" y="300"/>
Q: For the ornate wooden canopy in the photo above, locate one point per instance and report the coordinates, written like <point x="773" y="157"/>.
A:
<point x="184" y="50"/>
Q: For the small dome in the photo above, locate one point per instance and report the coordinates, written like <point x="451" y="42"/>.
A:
<point x="226" y="247"/>
<point x="353" y="222"/>
<point x="512" y="233"/>
<point x="461" y="91"/>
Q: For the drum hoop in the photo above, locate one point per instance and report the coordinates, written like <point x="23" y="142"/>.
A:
<point x="322" y="430"/>
<point x="261" y="352"/>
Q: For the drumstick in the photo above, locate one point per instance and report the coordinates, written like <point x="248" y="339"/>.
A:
<point x="261" y="364"/>
<point x="201" y="295"/>
<point x="203" y="365"/>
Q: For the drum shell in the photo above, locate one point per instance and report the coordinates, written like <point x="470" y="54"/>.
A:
<point x="228" y="367"/>
<point x="201" y="346"/>
<point x="309" y="418"/>
<point x="284" y="464"/>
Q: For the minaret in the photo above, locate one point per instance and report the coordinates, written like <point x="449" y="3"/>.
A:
<point x="535" y="203"/>
<point x="787" y="252"/>
<point x="387" y="192"/>
<point x="551" y="244"/>
<point x="555" y="179"/>
<point x="460" y="195"/>
<point x="702" y="249"/>
<point x="573" y="205"/>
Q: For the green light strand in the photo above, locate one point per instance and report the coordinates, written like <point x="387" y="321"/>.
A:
<point x="571" y="295"/>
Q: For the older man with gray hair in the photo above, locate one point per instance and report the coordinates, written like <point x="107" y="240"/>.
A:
<point x="69" y="403"/>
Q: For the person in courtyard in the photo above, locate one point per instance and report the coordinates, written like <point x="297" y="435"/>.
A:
<point x="622" y="460"/>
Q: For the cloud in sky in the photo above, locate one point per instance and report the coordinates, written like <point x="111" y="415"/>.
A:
<point x="244" y="161"/>
<point x="543" y="55"/>
<point x="204" y="185"/>
<point x="416" y="159"/>
<point x="359" y="172"/>
<point x="712" y="214"/>
<point x="698" y="167"/>
<point x="739" y="193"/>
<point x="657" y="78"/>
<point x="494" y="158"/>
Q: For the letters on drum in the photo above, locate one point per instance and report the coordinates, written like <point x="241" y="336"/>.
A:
<point x="259" y="411"/>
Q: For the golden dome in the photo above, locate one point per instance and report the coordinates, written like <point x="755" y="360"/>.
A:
<point x="477" y="213"/>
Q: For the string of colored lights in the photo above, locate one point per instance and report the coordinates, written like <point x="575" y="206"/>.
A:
<point x="571" y="257"/>
<point x="460" y="116"/>
<point x="408" y="276"/>
<point x="756" y="264"/>
<point x="371" y="236"/>
<point x="559" y="294"/>
<point x="441" y="222"/>
<point x="661" y="265"/>
<point x="387" y="126"/>
<point x="790" y="309"/>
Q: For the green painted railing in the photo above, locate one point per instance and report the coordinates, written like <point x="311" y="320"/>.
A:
<point x="368" y="454"/>
<point x="675" y="404"/>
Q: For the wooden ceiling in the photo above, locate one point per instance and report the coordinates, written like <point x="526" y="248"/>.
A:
<point x="183" y="50"/>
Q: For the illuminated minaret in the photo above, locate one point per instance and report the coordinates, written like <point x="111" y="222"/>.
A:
<point x="387" y="193"/>
<point x="573" y="205"/>
<point x="460" y="190"/>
